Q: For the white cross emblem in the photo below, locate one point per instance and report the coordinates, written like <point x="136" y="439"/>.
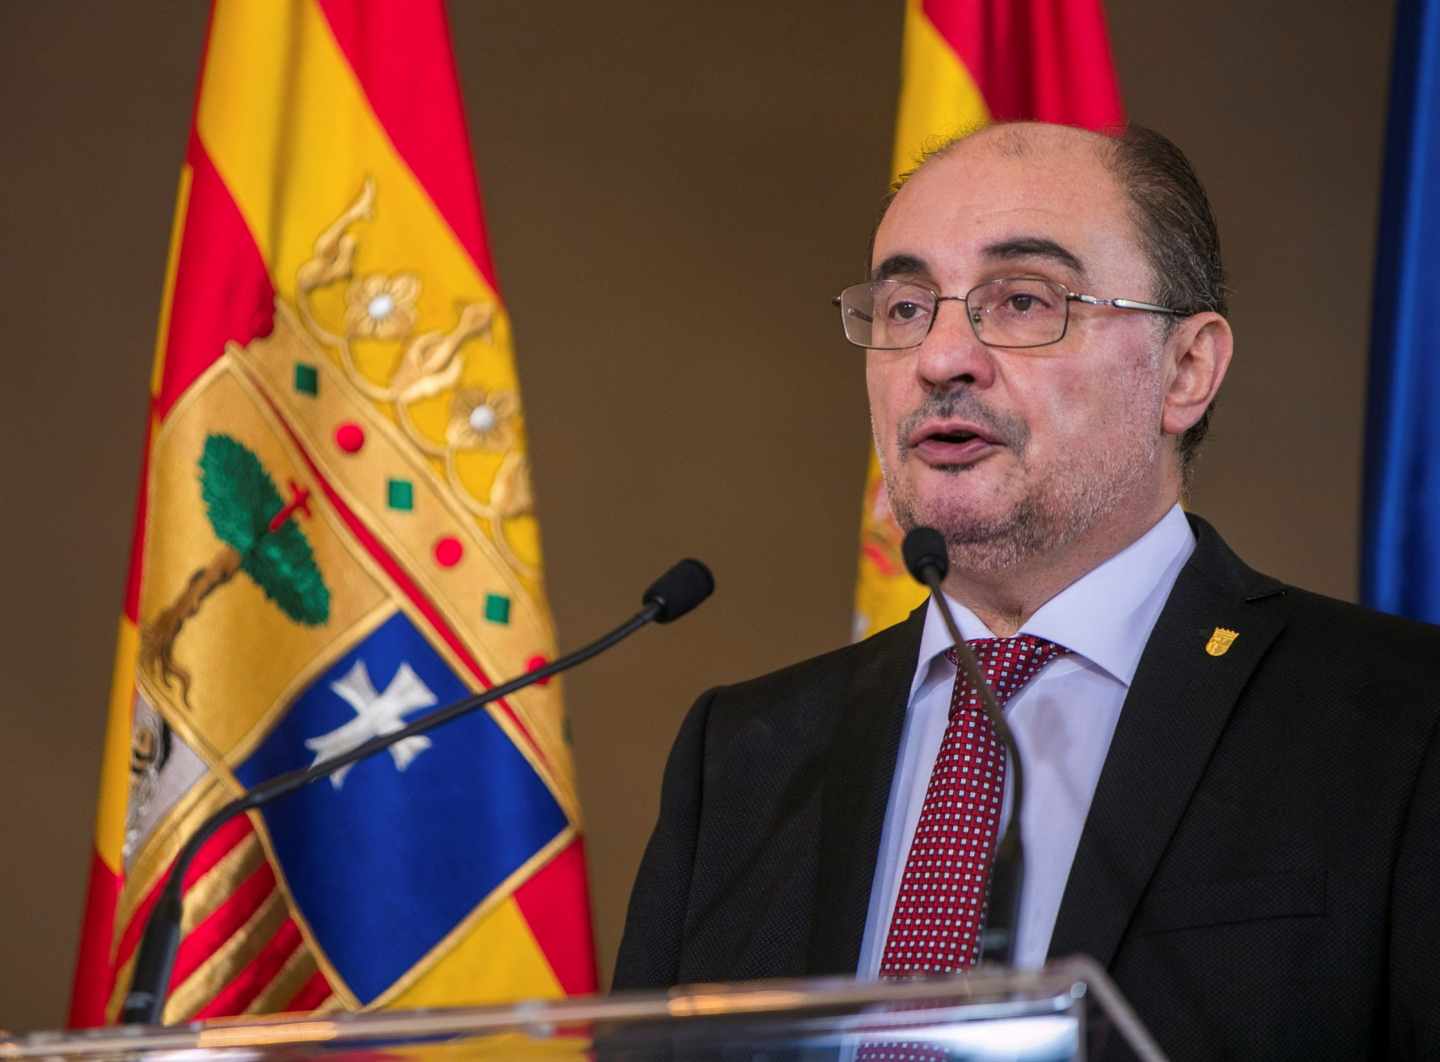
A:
<point x="375" y="714"/>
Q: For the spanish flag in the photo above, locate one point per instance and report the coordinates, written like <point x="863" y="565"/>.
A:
<point x="964" y="64"/>
<point x="335" y="533"/>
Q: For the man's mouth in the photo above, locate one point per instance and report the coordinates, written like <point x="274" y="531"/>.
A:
<point x="952" y="444"/>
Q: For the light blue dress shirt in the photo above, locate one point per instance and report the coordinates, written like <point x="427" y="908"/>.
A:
<point x="1063" y="721"/>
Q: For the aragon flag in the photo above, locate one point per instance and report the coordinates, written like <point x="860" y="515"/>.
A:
<point x="964" y="64"/>
<point x="335" y="533"/>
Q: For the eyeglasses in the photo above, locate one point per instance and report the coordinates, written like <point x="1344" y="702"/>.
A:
<point x="1011" y="312"/>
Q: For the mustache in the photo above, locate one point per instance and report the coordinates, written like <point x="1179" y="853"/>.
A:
<point x="1004" y="428"/>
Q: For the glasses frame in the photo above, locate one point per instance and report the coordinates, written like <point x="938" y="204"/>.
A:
<point x="970" y="315"/>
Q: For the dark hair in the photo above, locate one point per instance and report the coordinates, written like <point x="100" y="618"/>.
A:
<point x="1179" y="235"/>
<point x="1176" y="225"/>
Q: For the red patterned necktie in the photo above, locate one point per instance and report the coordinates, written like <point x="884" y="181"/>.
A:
<point x="940" y="908"/>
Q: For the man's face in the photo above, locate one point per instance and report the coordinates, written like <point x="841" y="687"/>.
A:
<point x="1064" y="436"/>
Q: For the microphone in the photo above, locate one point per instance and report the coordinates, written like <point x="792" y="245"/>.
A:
<point x="679" y="590"/>
<point x="671" y="596"/>
<point x="928" y="560"/>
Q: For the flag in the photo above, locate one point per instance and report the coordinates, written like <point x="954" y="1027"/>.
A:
<point x="1400" y="549"/>
<point x="334" y="534"/>
<point x="965" y="63"/>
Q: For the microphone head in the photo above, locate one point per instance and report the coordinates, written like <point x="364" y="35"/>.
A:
<point x="924" y="552"/>
<point x="679" y="590"/>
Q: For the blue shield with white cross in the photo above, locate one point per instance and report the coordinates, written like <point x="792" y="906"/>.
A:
<point x="388" y="857"/>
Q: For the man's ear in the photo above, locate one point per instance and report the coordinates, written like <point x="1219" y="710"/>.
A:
<point x="1199" y="356"/>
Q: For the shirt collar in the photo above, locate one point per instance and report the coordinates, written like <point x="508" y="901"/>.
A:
<point x="1104" y="616"/>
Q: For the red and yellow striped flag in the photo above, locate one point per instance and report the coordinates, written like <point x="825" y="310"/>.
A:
<point x="965" y="63"/>
<point x="335" y="533"/>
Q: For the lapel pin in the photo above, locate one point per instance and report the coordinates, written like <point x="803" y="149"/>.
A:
<point x="1221" y="641"/>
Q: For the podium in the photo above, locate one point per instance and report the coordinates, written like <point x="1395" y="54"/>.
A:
<point x="1068" y="1010"/>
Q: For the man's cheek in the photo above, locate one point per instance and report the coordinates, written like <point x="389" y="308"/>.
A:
<point x="881" y="419"/>
<point x="1070" y="414"/>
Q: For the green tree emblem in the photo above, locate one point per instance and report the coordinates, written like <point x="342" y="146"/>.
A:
<point x="260" y="537"/>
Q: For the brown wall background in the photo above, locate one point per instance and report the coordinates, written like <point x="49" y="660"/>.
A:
<point x="708" y="171"/>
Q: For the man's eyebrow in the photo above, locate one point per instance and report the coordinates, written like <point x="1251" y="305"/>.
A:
<point x="899" y="265"/>
<point x="1034" y="247"/>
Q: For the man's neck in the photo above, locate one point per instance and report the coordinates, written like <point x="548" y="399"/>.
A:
<point x="1004" y="600"/>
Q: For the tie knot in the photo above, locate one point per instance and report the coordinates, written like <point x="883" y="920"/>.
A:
<point x="1008" y="663"/>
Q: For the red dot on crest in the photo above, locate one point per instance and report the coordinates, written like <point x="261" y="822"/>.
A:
<point x="350" y="437"/>
<point x="448" y="551"/>
<point x="535" y="663"/>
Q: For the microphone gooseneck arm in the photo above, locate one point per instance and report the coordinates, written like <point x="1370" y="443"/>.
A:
<point x="926" y="559"/>
<point x="671" y="596"/>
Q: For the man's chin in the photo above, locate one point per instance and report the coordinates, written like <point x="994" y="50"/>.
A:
<point x="960" y="523"/>
<point x="984" y="533"/>
<point x="978" y="493"/>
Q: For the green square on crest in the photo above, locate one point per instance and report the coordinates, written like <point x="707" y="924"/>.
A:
<point x="497" y="608"/>
<point x="307" y="380"/>
<point x="400" y="494"/>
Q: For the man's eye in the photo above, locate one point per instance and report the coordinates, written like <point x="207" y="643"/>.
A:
<point x="1022" y="303"/>
<point x="906" y="311"/>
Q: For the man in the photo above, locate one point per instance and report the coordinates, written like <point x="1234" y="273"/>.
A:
<point x="1233" y="786"/>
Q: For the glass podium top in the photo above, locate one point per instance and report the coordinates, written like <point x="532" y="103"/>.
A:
<point x="1060" y="1012"/>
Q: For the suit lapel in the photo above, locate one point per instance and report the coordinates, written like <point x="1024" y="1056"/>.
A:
<point x="1177" y="707"/>
<point x="858" y="772"/>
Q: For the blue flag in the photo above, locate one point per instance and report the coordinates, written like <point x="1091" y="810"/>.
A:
<point x="1400" y="551"/>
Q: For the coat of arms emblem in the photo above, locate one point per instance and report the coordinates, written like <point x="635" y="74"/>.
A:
<point x="1220" y="642"/>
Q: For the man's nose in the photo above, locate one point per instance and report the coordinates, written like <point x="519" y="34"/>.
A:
<point x="951" y="353"/>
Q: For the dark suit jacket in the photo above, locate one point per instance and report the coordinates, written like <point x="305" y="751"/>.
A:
<point x="1259" y="871"/>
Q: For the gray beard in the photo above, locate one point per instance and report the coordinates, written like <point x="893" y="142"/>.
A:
<point x="1054" y="512"/>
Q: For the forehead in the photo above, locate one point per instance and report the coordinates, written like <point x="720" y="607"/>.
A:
<point x="1056" y="188"/>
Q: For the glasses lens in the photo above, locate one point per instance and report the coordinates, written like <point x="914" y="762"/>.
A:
<point x="887" y="314"/>
<point x="1018" y="312"/>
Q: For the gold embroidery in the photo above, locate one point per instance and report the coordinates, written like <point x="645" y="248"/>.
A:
<point x="432" y="364"/>
<point x="201" y="801"/>
<point x="220" y="882"/>
<point x="298" y="969"/>
<point x="201" y="901"/>
<point x="220" y="967"/>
